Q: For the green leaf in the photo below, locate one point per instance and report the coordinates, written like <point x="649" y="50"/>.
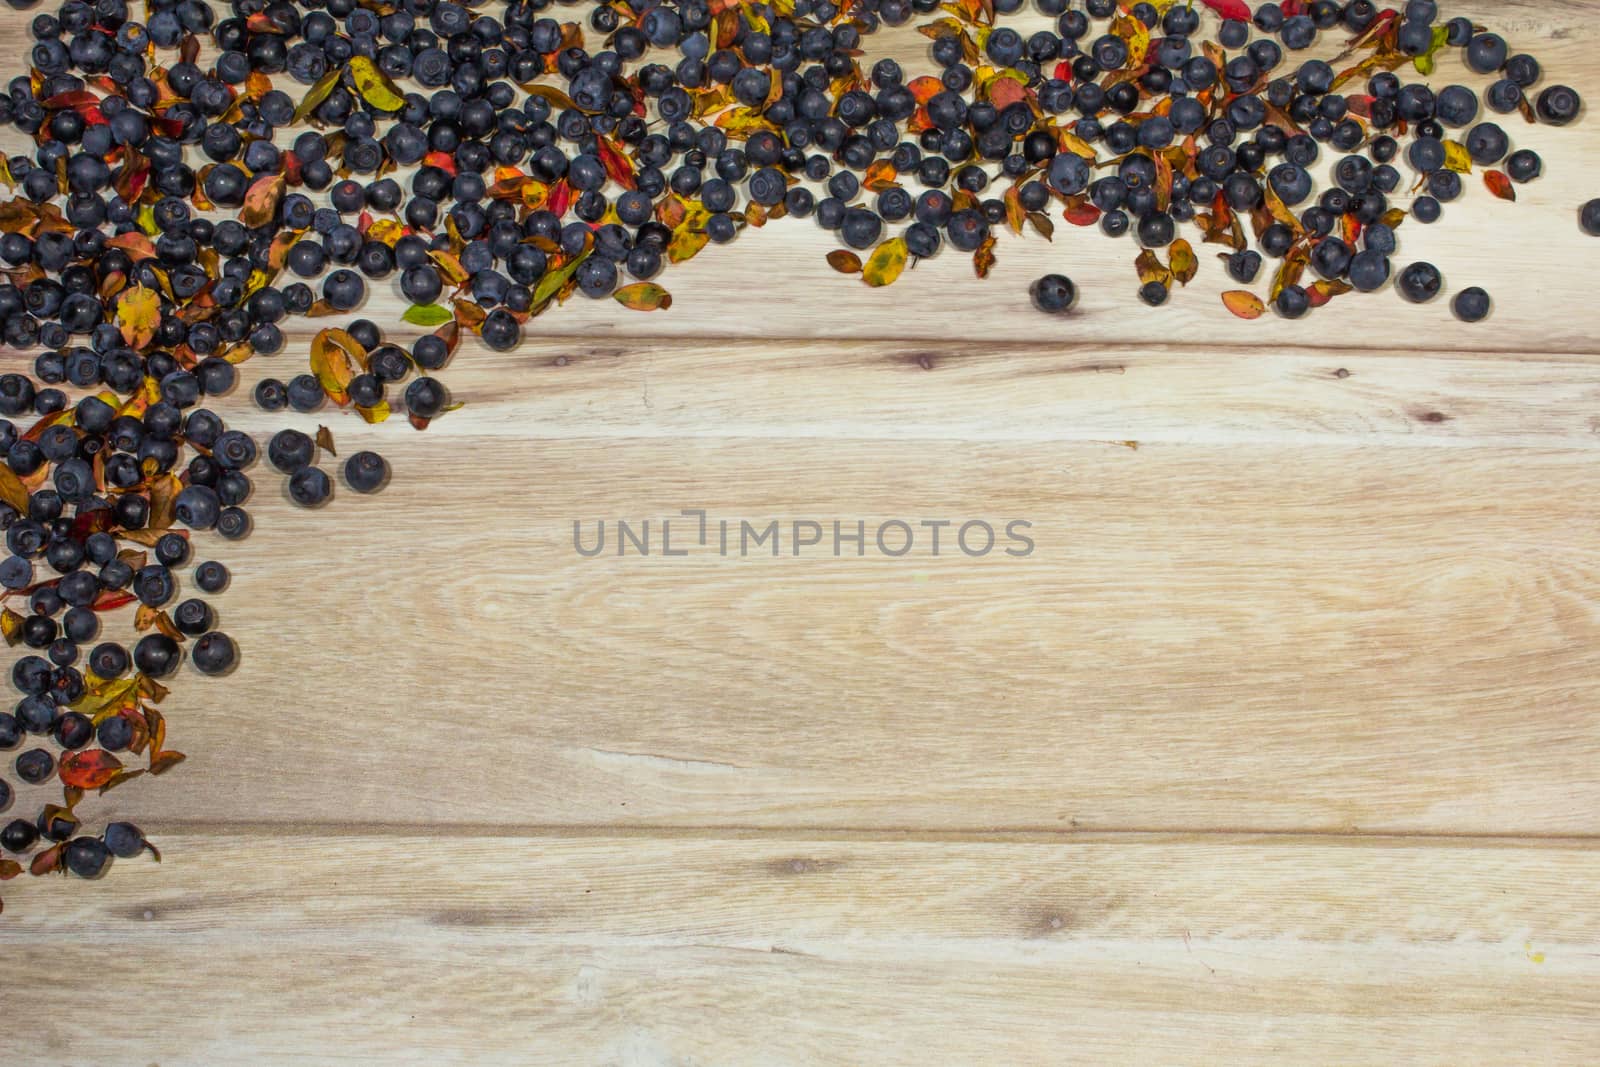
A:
<point x="427" y="315"/>
<point x="317" y="93"/>
<point x="551" y="283"/>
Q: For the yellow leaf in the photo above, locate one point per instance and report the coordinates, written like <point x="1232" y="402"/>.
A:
<point x="331" y="352"/>
<point x="12" y="491"/>
<point x="643" y="296"/>
<point x="374" y="85"/>
<point x="138" y="315"/>
<point x="1457" y="158"/>
<point x="885" y="263"/>
<point x="1183" y="262"/>
<point x="685" y="244"/>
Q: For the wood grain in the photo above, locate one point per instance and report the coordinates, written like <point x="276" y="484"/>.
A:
<point x="650" y="950"/>
<point x="1279" y="747"/>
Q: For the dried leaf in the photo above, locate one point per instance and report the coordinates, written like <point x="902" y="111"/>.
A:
<point x="427" y="315"/>
<point x="261" y="200"/>
<point x="840" y="259"/>
<point x="1457" y="158"/>
<point x="1183" y="263"/>
<point x="136" y="244"/>
<point x="880" y="175"/>
<point x="1042" y="223"/>
<point x="107" y="698"/>
<point x="1150" y="269"/>
<point x="325" y="440"/>
<point x="374" y="85"/>
<point x="11" y="626"/>
<point x="685" y="243"/>
<point x="138" y="315"/>
<point x="885" y="263"/>
<point x="162" y="762"/>
<point x="983" y="258"/>
<point x="1015" y="213"/>
<point x="47" y="861"/>
<point x="1499" y="184"/>
<point x="331" y="350"/>
<point x="12" y="491"/>
<point x="1244" y="303"/>
<point x="88" y="768"/>
<point x="317" y="94"/>
<point x="643" y="296"/>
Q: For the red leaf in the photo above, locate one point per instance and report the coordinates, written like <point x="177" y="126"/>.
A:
<point x="47" y="861"/>
<point x="1230" y="9"/>
<point x="109" y="600"/>
<point x="89" y="768"/>
<point x="1084" y="214"/>
<point x="1499" y="184"/>
<point x="1063" y="71"/>
<point x="443" y="160"/>
<point x="618" y="169"/>
<point x="560" y="198"/>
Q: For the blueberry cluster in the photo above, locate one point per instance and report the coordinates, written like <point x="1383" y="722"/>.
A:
<point x="489" y="161"/>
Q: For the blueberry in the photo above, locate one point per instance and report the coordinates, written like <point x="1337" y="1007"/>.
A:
<point x="1558" y="105"/>
<point x="35" y="766"/>
<point x="85" y="857"/>
<point x="426" y="398"/>
<point x="1420" y="282"/>
<point x="213" y="652"/>
<point x="309" y="487"/>
<point x="211" y="577"/>
<point x="1369" y="270"/>
<point x="157" y="655"/>
<point x="291" y="450"/>
<point x="1589" y="218"/>
<point x="1153" y="293"/>
<point x="1471" y="304"/>
<point x="123" y="840"/>
<point x="1524" y="165"/>
<point x="1053" y="293"/>
<point x="19" y="835"/>
<point x="366" y="472"/>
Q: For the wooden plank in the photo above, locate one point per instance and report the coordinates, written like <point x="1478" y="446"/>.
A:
<point x="755" y="949"/>
<point x="667" y="388"/>
<point x="1341" y="639"/>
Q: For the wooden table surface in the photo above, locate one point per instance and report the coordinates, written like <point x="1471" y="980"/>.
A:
<point x="1283" y="745"/>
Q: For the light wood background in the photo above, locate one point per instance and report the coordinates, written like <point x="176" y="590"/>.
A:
<point x="1281" y="747"/>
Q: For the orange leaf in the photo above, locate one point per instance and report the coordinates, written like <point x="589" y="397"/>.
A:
<point x="841" y="260"/>
<point x="1244" y="304"/>
<point x="89" y="768"/>
<point x="983" y="258"/>
<point x="616" y="165"/>
<point x="880" y="175"/>
<point x="331" y="352"/>
<point x="1499" y="184"/>
<point x="261" y="200"/>
<point x="136" y="244"/>
<point x="161" y="762"/>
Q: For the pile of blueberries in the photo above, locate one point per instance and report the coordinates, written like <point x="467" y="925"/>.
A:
<point x="500" y="159"/>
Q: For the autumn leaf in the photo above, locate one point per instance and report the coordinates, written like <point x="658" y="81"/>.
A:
<point x="553" y="96"/>
<point x="616" y="165"/>
<point x="88" y="768"/>
<point x="11" y="626"/>
<point x="1082" y="213"/>
<point x="12" y="491"/>
<point x="376" y="413"/>
<point x="1244" y="304"/>
<point x="1150" y="269"/>
<point x="685" y="243"/>
<point x="840" y="259"/>
<point x="374" y="85"/>
<point x="1499" y="184"/>
<point x="330" y="362"/>
<point x="885" y="263"/>
<point x="880" y="175"/>
<point x="325" y="440"/>
<point x="983" y="258"/>
<point x="643" y="296"/>
<point x="105" y="699"/>
<point x="161" y="762"/>
<point x="1457" y="158"/>
<point x="1016" y="214"/>
<point x="553" y="282"/>
<point x="317" y="94"/>
<point x="136" y="244"/>
<point x="1042" y="223"/>
<point x="427" y="315"/>
<point x="1184" y="265"/>
<point x="261" y="200"/>
<point x="138" y="315"/>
